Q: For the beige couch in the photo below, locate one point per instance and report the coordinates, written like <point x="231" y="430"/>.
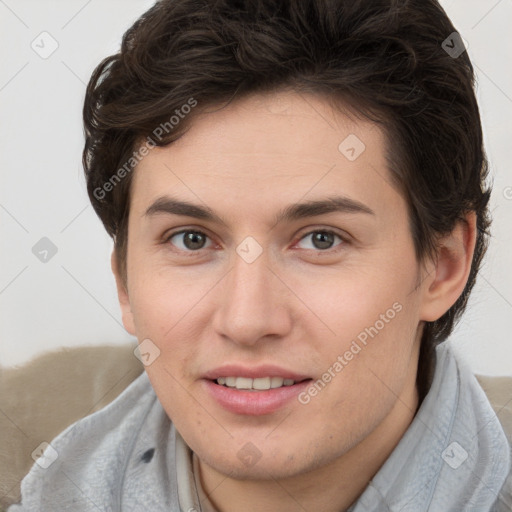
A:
<point x="43" y="397"/>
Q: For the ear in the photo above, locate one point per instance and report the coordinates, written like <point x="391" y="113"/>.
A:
<point x="450" y="272"/>
<point x="122" y="295"/>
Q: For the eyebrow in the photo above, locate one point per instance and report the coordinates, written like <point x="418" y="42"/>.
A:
<point x="338" y="204"/>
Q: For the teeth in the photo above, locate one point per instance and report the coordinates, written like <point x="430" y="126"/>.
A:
<point x="243" y="383"/>
<point x="276" y="382"/>
<point x="261" y="383"/>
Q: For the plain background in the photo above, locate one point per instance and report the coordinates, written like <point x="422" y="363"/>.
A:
<point x="71" y="299"/>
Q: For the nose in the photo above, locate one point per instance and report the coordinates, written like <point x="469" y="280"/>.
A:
<point x="255" y="303"/>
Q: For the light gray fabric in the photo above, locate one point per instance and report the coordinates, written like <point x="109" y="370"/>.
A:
<point x="453" y="457"/>
<point x="125" y="457"/>
<point x="100" y="464"/>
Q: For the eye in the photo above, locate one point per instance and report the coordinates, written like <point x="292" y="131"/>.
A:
<point x="321" y="239"/>
<point x="188" y="240"/>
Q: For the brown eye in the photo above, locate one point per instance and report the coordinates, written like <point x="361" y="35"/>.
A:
<point x="188" y="240"/>
<point x="322" y="240"/>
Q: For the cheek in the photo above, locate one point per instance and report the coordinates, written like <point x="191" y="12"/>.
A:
<point x="362" y="305"/>
<point x="165" y="309"/>
<point x="361" y="378"/>
<point x="380" y="333"/>
<point x="161" y="301"/>
<point x="373" y="320"/>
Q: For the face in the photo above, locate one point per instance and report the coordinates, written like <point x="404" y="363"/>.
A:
<point x="294" y="268"/>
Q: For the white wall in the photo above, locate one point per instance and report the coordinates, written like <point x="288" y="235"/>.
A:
<point x="71" y="300"/>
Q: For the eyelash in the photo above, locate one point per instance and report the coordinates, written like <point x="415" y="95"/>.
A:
<point x="320" y="251"/>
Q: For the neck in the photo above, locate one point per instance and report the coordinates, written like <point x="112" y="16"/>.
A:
<point x="341" y="482"/>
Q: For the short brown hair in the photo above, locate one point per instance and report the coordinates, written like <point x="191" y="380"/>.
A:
<point x="384" y="58"/>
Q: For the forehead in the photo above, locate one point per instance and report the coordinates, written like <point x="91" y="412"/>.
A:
<point x="266" y="148"/>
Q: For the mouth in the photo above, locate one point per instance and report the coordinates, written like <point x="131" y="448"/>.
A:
<point x="256" y="392"/>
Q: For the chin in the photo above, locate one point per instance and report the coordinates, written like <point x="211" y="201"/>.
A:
<point x="262" y="466"/>
<point x="269" y="470"/>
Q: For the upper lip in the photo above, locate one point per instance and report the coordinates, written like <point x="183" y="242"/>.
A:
<point x="254" y="372"/>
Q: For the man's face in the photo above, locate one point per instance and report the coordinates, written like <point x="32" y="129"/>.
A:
<point x="328" y="300"/>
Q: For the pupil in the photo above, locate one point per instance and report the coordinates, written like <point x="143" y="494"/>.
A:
<point x="320" y="242"/>
<point x="191" y="239"/>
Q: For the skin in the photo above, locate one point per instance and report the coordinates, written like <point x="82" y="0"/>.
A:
<point x="298" y="305"/>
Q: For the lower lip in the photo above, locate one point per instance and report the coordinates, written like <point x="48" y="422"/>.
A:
<point x="254" y="403"/>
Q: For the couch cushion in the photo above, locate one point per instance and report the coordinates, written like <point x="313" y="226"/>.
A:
<point x="499" y="393"/>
